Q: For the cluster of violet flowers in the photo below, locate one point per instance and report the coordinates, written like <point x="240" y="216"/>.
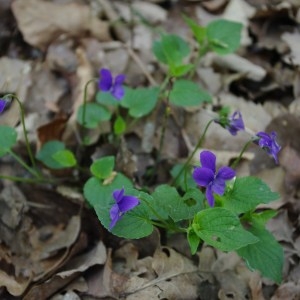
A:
<point x="206" y="175"/>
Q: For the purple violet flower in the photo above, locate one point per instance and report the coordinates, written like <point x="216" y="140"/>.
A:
<point x="2" y="105"/>
<point x="206" y="176"/>
<point x="123" y="204"/>
<point x="112" y="85"/>
<point x="233" y="124"/>
<point x="236" y="123"/>
<point x="268" y="143"/>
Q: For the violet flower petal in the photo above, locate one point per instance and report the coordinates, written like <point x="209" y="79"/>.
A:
<point x="119" y="79"/>
<point x="218" y="186"/>
<point x="208" y="160"/>
<point x="209" y="196"/>
<point x="236" y="123"/>
<point x="114" y="215"/>
<point x="226" y="173"/>
<point x="106" y="80"/>
<point x="269" y="144"/>
<point x="128" y="203"/>
<point x="118" y="195"/>
<point x="203" y="176"/>
<point x="118" y="92"/>
<point x="2" y="105"/>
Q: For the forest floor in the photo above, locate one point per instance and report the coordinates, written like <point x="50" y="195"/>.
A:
<point x="52" y="244"/>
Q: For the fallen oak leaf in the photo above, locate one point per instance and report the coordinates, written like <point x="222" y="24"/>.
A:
<point x="42" y="22"/>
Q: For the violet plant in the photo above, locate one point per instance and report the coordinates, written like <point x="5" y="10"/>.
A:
<point x="211" y="206"/>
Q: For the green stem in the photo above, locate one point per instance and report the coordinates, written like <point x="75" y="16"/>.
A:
<point x="23" y="164"/>
<point x="156" y="214"/>
<point x="237" y="160"/>
<point x="164" y="125"/>
<point x="194" y="151"/>
<point x="175" y="229"/>
<point x="85" y="99"/>
<point x="164" y="84"/>
<point x="31" y="157"/>
<point x="201" y="53"/>
<point x="20" y="179"/>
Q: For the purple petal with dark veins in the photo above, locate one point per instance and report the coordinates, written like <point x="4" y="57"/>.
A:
<point x="128" y="203"/>
<point x="106" y="80"/>
<point x="208" y="160"/>
<point x="203" y="176"/>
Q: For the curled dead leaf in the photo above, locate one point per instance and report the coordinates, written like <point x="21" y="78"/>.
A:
<point x="42" y="22"/>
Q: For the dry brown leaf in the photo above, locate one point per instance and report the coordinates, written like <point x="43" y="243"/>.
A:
<point x="232" y="286"/>
<point x="211" y="79"/>
<point x="63" y="239"/>
<point x="97" y="256"/>
<point x="14" y="285"/>
<point x="84" y="74"/>
<point x="51" y="131"/>
<point x="290" y="161"/>
<point x="288" y="290"/>
<point x="105" y="282"/>
<point x="46" y="89"/>
<point x="176" y="278"/>
<point x="238" y="64"/>
<point x="240" y="11"/>
<point x="43" y="22"/>
<point x="281" y="227"/>
<point x="274" y="178"/>
<point x="293" y="40"/>
<point x="214" y="6"/>
<point x="151" y="12"/>
<point x="61" y="56"/>
<point x="15" y="77"/>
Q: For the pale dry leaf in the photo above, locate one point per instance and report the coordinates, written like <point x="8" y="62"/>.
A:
<point x="61" y="56"/>
<point x="168" y="263"/>
<point x="238" y="64"/>
<point x="64" y="239"/>
<point x="232" y="286"/>
<point x="274" y="109"/>
<point x="240" y="11"/>
<point x="296" y="88"/>
<point x="143" y="39"/>
<point x="293" y="40"/>
<point x="212" y="80"/>
<point x="176" y="278"/>
<point x="46" y="87"/>
<point x="14" y="285"/>
<point x="253" y="280"/>
<point x="116" y="60"/>
<point x="47" y="288"/>
<point x="42" y="22"/>
<point x="281" y="227"/>
<point x="96" y="256"/>
<point x="15" y="78"/>
<point x="84" y="74"/>
<point x="213" y="6"/>
<point x="151" y="12"/>
<point x="224" y="157"/>
<point x="288" y="290"/>
<point x="69" y="295"/>
<point x="130" y="253"/>
<point x="255" y="118"/>
<point x="290" y="161"/>
<point x="274" y="178"/>
<point x="104" y="282"/>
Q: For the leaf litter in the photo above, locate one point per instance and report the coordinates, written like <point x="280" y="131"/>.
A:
<point x="52" y="245"/>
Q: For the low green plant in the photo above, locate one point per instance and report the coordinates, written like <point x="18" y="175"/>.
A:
<point x="211" y="206"/>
